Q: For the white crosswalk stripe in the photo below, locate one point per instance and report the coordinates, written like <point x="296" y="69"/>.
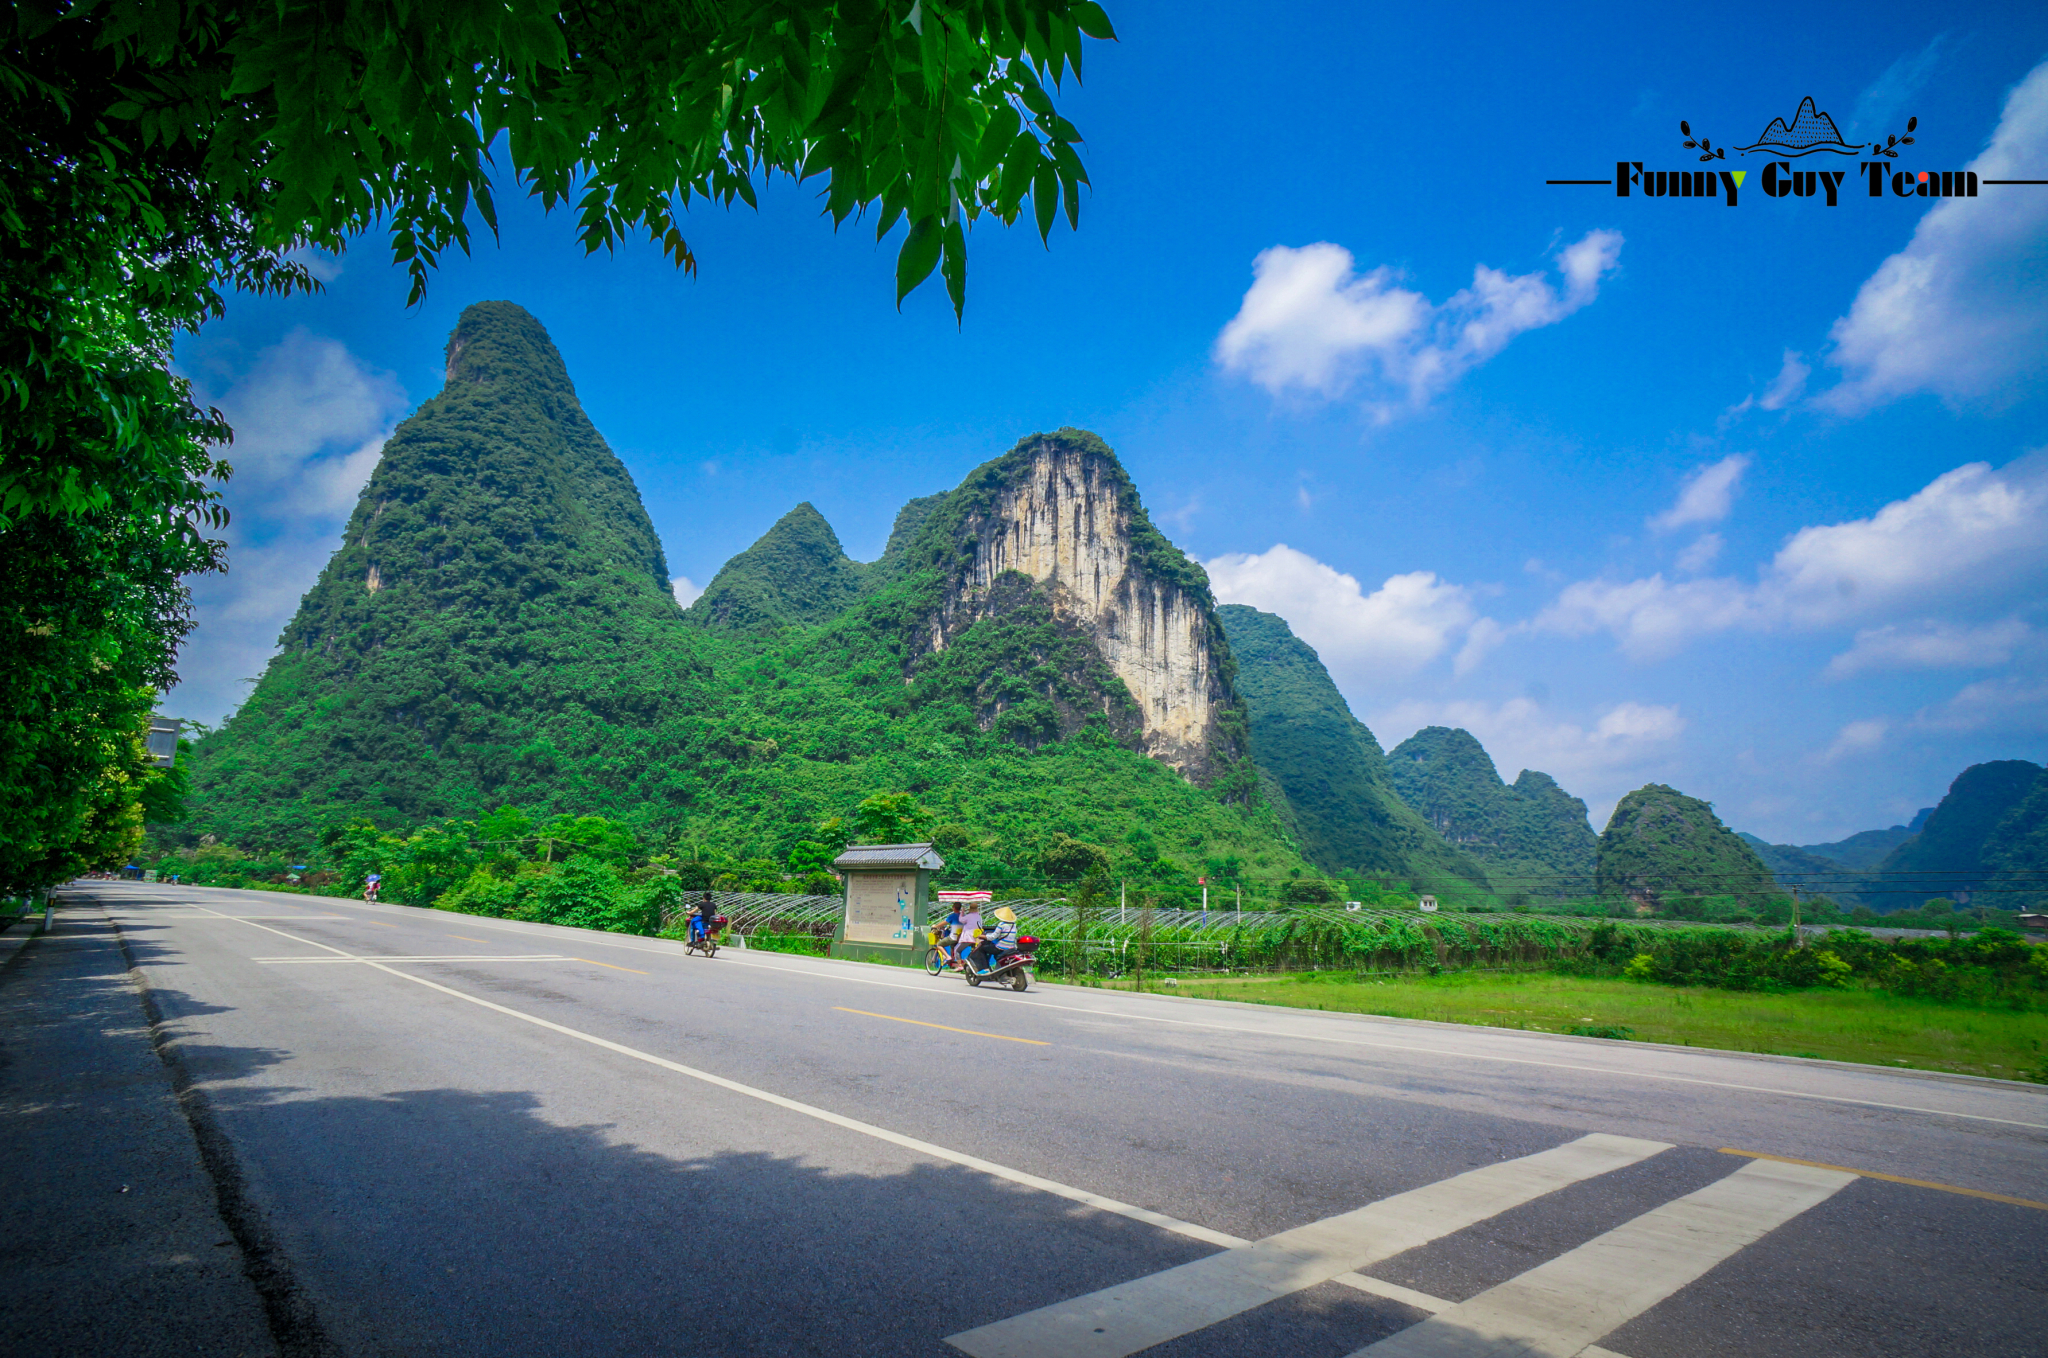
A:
<point x="1557" y="1309"/>
<point x="1137" y="1315"/>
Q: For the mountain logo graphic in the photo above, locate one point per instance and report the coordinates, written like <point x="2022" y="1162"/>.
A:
<point x="1811" y="131"/>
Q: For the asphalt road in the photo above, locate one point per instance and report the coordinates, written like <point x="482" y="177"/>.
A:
<point x="441" y="1134"/>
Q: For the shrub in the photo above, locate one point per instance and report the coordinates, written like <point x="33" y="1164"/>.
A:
<point x="482" y="894"/>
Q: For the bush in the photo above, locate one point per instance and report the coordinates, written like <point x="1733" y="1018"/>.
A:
<point x="482" y="894"/>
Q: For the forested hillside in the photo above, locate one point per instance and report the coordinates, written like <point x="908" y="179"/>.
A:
<point x="1660" y="845"/>
<point x="1323" y="767"/>
<point x="1794" y="866"/>
<point x="796" y="574"/>
<point x="1531" y="835"/>
<point x="496" y="627"/>
<point x="1869" y="847"/>
<point x="1989" y="823"/>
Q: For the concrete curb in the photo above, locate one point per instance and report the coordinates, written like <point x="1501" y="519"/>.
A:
<point x="17" y="936"/>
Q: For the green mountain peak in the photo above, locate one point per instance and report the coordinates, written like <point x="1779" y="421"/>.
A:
<point x="1532" y="835"/>
<point x="795" y="574"/>
<point x="499" y="602"/>
<point x="1660" y="842"/>
<point x="1322" y="766"/>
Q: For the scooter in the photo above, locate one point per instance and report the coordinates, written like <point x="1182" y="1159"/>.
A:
<point x="1007" y="968"/>
<point x="707" y="942"/>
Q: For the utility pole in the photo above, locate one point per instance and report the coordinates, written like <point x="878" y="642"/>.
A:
<point x="1797" y="942"/>
<point x="1205" y="902"/>
<point x="1119" y="902"/>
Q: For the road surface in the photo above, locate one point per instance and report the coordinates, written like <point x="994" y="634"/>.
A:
<point x="440" y="1134"/>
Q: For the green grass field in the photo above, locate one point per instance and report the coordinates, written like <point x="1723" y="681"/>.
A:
<point x="1836" y="1025"/>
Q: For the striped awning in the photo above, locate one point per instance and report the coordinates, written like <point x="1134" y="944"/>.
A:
<point x="965" y="897"/>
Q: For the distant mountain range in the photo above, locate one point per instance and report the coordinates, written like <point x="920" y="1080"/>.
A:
<point x="1985" y="843"/>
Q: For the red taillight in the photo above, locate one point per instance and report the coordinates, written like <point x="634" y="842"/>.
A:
<point x="1027" y="942"/>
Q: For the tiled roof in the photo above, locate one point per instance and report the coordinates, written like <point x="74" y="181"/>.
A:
<point x="889" y="856"/>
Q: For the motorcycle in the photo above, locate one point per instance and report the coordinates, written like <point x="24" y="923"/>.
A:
<point x="1006" y="968"/>
<point x="707" y="942"/>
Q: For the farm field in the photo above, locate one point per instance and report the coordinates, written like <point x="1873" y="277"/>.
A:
<point x="1838" y="1025"/>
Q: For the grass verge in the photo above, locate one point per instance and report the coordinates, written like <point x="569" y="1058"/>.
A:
<point x="1836" y="1025"/>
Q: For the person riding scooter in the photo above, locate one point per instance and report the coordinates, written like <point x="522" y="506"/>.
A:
<point x="700" y="919"/>
<point x="1000" y="940"/>
<point x="970" y="932"/>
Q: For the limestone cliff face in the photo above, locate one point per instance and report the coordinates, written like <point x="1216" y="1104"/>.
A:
<point x="1060" y="510"/>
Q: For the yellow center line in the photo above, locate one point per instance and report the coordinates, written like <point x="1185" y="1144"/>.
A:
<point x="971" y="1032"/>
<point x="594" y="963"/>
<point x="467" y="939"/>
<point x="1893" y="1179"/>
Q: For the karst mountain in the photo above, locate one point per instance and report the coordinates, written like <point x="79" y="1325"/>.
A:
<point x="1029" y="659"/>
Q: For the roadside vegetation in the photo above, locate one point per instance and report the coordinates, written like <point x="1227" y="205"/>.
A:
<point x="1868" y="1025"/>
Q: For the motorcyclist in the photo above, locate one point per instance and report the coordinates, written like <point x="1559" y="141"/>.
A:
<point x="970" y="931"/>
<point x="370" y="885"/>
<point x="999" y="941"/>
<point x="700" y="919"/>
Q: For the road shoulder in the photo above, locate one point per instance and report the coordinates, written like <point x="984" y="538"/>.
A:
<point x="110" y="1232"/>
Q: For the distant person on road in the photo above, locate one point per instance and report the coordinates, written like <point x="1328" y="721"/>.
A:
<point x="700" y="919"/>
<point x="370" y="885"/>
<point x="1001" y="939"/>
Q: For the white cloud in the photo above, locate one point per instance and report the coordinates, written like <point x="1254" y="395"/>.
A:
<point x="1395" y="630"/>
<point x="687" y="591"/>
<point x="1972" y="532"/>
<point x="1707" y="495"/>
<point x="1857" y="737"/>
<point x="1310" y="321"/>
<point x="1622" y="748"/>
<point x="1701" y="554"/>
<point x="1652" y="617"/>
<point x="2015" y="704"/>
<point x="1930" y="645"/>
<point x="1886" y="97"/>
<point x="310" y="420"/>
<point x="1784" y="389"/>
<point x="1483" y="636"/>
<point x="1973" y="538"/>
<point x="324" y="267"/>
<point x="1786" y="386"/>
<point x="1962" y="311"/>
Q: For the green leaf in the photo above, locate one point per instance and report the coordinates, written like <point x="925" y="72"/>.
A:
<point x="1089" y="18"/>
<point x="1045" y="198"/>
<point x="996" y="139"/>
<point x="918" y="257"/>
<point x="956" y="268"/>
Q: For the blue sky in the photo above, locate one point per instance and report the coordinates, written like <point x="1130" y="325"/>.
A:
<point x="1753" y="501"/>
